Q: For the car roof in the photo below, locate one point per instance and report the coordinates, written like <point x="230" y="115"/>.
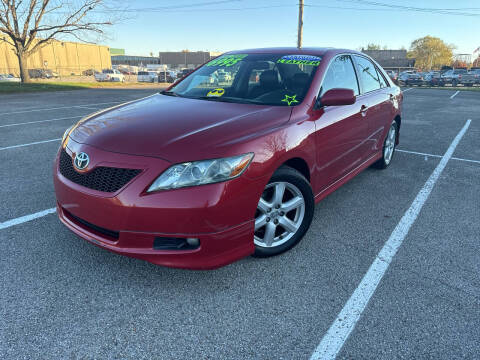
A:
<point x="319" y="51"/>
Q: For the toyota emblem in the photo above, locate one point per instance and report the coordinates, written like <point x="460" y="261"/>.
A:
<point x="81" y="161"/>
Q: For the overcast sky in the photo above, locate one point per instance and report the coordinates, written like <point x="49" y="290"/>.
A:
<point x="220" y="26"/>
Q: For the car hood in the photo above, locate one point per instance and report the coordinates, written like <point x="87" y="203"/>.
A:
<point x="177" y="129"/>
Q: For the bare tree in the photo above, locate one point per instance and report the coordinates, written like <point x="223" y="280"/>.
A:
<point x="30" y="24"/>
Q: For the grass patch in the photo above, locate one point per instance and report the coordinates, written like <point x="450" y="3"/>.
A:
<point x="11" y="88"/>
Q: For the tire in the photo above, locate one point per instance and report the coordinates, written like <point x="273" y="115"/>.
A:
<point x="454" y="83"/>
<point x="294" y="208"/>
<point x="388" y="149"/>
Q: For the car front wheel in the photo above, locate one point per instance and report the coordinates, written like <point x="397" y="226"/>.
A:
<point x="284" y="213"/>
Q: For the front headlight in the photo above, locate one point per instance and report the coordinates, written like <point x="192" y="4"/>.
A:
<point x="66" y="133"/>
<point x="201" y="172"/>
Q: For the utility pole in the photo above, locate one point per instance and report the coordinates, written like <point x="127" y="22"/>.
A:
<point x="300" y="23"/>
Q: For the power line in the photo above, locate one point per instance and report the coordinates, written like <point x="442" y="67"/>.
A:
<point x="442" y="11"/>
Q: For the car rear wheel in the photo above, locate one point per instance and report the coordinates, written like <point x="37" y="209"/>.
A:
<point x="284" y="213"/>
<point x="388" y="147"/>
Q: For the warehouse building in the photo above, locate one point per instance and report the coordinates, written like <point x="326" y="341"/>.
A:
<point x="185" y="59"/>
<point x="130" y="60"/>
<point x="391" y="59"/>
<point x="62" y="57"/>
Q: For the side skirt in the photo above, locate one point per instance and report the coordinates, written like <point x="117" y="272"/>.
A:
<point x="334" y="186"/>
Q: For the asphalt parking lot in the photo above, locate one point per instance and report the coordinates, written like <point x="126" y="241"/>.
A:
<point x="61" y="297"/>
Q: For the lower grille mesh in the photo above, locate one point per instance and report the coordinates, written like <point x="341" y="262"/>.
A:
<point x="105" y="179"/>
<point x="110" y="233"/>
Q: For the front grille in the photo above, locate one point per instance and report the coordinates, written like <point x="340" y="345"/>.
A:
<point x="105" y="179"/>
<point x="96" y="229"/>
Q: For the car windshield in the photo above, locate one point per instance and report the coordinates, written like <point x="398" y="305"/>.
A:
<point x="266" y="79"/>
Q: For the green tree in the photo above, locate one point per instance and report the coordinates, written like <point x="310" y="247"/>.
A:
<point x="431" y="52"/>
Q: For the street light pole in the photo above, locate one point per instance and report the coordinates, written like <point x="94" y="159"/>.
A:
<point x="300" y="23"/>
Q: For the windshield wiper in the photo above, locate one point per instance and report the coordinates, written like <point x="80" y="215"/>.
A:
<point x="229" y="99"/>
<point x="169" y="93"/>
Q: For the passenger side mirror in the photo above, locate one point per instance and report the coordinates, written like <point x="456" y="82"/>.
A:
<point x="337" y="97"/>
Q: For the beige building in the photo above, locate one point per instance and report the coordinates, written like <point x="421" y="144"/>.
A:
<point x="62" y="57"/>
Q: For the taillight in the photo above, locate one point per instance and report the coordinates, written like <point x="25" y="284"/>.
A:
<point x="460" y="76"/>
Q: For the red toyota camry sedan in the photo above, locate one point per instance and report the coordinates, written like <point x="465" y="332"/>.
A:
<point x="230" y="160"/>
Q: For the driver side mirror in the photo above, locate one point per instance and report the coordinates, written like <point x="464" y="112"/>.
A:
<point x="337" y="97"/>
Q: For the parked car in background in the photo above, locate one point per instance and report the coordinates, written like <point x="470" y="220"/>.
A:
<point x="144" y="180"/>
<point x="476" y="75"/>
<point x="432" y="78"/>
<point x="224" y="76"/>
<point x="468" y="79"/>
<point x="35" y="73"/>
<point x="50" y="74"/>
<point x="403" y="76"/>
<point x="126" y="71"/>
<point x="452" y="77"/>
<point x="147" y="76"/>
<point x="42" y="74"/>
<point x="9" y="78"/>
<point x="185" y="72"/>
<point x="89" y="72"/>
<point x="393" y="75"/>
<point x="165" y="77"/>
<point x="110" y="75"/>
<point x="414" y="79"/>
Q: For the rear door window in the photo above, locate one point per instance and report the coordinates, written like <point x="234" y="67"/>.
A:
<point x="367" y="74"/>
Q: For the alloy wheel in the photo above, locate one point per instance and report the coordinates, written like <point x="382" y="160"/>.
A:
<point x="389" y="145"/>
<point x="279" y="214"/>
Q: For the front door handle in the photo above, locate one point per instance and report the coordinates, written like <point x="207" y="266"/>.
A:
<point x="363" y="110"/>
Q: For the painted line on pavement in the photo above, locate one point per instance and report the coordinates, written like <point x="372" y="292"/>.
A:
<point x="42" y="121"/>
<point x="418" y="153"/>
<point x="343" y="325"/>
<point x="62" y="107"/>
<point x="437" y="156"/>
<point x="407" y="89"/>
<point x="34" y="143"/>
<point x="26" y="218"/>
<point x="451" y="97"/>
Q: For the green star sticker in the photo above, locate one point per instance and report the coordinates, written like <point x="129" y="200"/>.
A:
<point x="290" y="99"/>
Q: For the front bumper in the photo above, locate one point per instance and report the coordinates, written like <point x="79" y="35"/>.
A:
<point x="220" y="215"/>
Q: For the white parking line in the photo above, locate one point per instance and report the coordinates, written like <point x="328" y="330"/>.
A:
<point x="34" y="143"/>
<point x="451" y="97"/>
<point x="24" y="219"/>
<point x="41" y="121"/>
<point x="407" y="89"/>
<point x="62" y="107"/>
<point x="348" y="317"/>
<point x="437" y="156"/>
<point x="418" y="153"/>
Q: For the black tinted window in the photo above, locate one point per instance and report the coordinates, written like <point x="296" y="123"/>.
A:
<point x="340" y="74"/>
<point x="367" y="74"/>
